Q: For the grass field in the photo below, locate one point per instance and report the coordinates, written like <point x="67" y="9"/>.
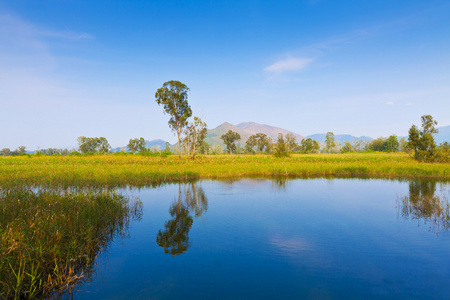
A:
<point x="136" y="170"/>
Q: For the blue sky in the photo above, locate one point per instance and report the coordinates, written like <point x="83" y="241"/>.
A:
<point x="72" y="68"/>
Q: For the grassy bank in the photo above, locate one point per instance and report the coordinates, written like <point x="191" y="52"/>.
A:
<point x="49" y="240"/>
<point x="112" y="170"/>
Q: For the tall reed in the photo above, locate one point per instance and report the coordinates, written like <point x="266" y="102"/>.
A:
<point x="49" y="239"/>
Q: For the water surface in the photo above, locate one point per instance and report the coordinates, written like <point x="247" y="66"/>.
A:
<point x="265" y="239"/>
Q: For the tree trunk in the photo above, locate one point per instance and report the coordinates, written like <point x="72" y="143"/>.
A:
<point x="179" y="144"/>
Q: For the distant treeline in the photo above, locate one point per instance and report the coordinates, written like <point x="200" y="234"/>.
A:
<point x="420" y="143"/>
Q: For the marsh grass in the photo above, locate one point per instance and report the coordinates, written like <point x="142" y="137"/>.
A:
<point x="49" y="239"/>
<point x="137" y="170"/>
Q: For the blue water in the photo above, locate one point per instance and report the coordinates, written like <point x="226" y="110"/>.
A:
<point x="264" y="239"/>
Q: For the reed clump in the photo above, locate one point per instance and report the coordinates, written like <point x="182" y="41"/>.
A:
<point x="49" y="239"/>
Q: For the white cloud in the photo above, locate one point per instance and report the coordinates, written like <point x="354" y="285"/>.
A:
<point x="290" y="64"/>
<point x="14" y="27"/>
<point x="390" y="103"/>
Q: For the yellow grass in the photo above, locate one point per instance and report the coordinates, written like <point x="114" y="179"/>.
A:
<point x="120" y="170"/>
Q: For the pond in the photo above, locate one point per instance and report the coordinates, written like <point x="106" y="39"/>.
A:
<point x="266" y="239"/>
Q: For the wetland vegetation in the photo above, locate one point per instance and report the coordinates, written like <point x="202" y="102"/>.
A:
<point x="49" y="239"/>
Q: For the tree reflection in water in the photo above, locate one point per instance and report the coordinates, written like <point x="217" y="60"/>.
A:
<point x="422" y="205"/>
<point x="175" y="236"/>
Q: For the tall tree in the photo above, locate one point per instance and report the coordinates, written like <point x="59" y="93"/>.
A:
<point x="414" y="139"/>
<point x="330" y="143"/>
<point x="21" y="149"/>
<point x="195" y="134"/>
<point x="136" y="145"/>
<point x="229" y="139"/>
<point x="291" y="143"/>
<point x="5" y="152"/>
<point x="423" y="141"/>
<point x="392" y="144"/>
<point x="173" y="96"/>
<point x="94" y="145"/>
<point x="250" y="144"/>
<point x="309" y="146"/>
<point x="280" y="148"/>
<point x="347" y="147"/>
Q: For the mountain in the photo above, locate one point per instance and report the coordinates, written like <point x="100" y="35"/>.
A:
<point x="245" y="130"/>
<point x="443" y="135"/>
<point x="271" y="131"/>
<point x="341" y="138"/>
<point x="149" y="144"/>
<point x="155" y="143"/>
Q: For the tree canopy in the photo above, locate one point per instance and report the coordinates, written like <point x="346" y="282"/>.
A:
<point x="422" y="142"/>
<point x="93" y="144"/>
<point x="195" y="134"/>
<point x="137" y="145"/>
<point x="330" y="143"/>
<point x="173" y="97"/>
<point x="229" y="140"/>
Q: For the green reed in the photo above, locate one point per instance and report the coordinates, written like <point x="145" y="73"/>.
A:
<point x="49" y="239"/>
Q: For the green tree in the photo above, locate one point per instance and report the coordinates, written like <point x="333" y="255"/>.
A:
<point x="205" y="148"/>
<point x="359" y="145"/>
<point x="427" y="142"/>
<point x="423" y="141"/>
<point x="93" y="145"/>
<point x="167" y="147"/>
<point x="330" y="142"/>
<point x="217" y="149"/>
<point x="280" y="148"/>
<point x="392" y="144"/>
<point x="378" y="144"/>
<point x="5" y="152"/>
<point x="21" y="149"/>
<point x="250" y="144"/>
<point x="347" y="147"/>
<point x="404" y="145"/>
<point x="173" y="96"/>
<point x="229" y="140"/>
<point x="136" y="145"/>
<point x="259" y="140"/>
<point x="309" y="146"/>
<point x="291" y="143"/>
<point x="445" y="146"/>
<point x="414" y="139"/>
<point x="195" y="134"/>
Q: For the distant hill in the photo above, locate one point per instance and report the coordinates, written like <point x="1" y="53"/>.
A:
<point x="271" y="131"/>
<point x="443" y="135"/>
<point x="245" y="130"/>
<point x="342" y="138"/>
<point x="149" y="144"/>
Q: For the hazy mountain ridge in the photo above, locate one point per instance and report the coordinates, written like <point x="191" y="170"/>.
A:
<point x="245" y="130"/>
<point x="148" y="144"/>
<point x="271" y="131"/>
<point x="341" y="138"/>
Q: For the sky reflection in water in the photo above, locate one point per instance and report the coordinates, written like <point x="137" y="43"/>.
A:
<point x="318" y="238"/>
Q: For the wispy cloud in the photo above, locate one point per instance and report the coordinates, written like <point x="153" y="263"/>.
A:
<point x="289" y="64"/>
<point x="13" y="26"/>
<point x="390" y="103"/>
